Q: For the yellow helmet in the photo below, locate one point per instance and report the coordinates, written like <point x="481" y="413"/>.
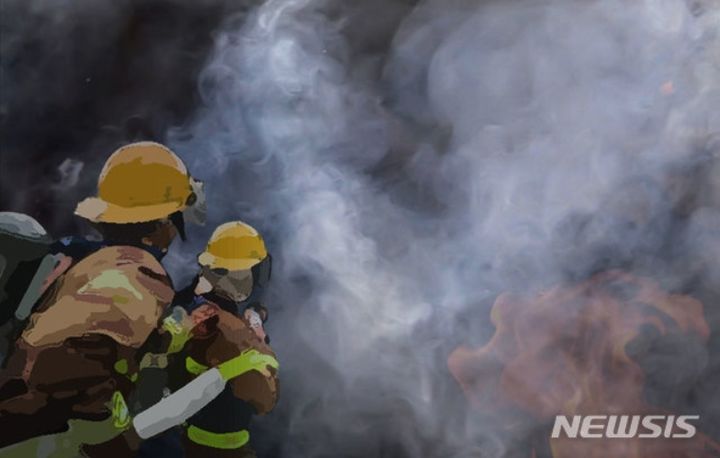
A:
<point x="140" y="182"/>
<point x="234" y="246"/>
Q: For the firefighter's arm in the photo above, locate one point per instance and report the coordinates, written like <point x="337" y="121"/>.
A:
<point x="190" y="399"/>
<point x="258" y="388"/>
<point x="177" y="408"/>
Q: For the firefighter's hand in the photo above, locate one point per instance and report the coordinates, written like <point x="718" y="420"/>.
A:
<point x="247" y="361"/>
<point x="179" y="325"/>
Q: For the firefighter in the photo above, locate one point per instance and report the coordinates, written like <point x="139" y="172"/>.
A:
<point x="77" y="357"/>
<point x="215" y="320"/>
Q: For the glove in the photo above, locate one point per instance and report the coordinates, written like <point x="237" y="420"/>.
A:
<point x="247" y="361"/>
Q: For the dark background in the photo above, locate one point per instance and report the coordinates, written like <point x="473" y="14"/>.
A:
<point x="80" y="79"/>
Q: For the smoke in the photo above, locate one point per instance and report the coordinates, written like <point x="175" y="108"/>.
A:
<point x="79" y="79"/>
<point x="406" y="162"/>
<point x="497" y="146"/>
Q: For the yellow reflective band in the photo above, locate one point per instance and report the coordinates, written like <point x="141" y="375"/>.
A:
<point x="194" y="367"/>
<point x="121" y="366"/>
<point x="120" y="413"/>
<point x="225" y="441"/>
<point x="247" y="361"/>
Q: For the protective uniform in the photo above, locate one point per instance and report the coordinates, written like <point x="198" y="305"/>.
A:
<point x="221" y="428"/>
<point x="80" y="345"/>
<point x="221" y="325"/>
<point x="78" y="356"/>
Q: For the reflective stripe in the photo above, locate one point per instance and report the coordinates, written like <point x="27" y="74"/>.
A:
<point x="154" y="360"/>
<point x="177" y="342"/>
<point x="249" y="360"/>
<point x="120" y="414"/>
<point x="194" y="367"/>
<point x="226" y="441"/>
<point x="121" y="366"/>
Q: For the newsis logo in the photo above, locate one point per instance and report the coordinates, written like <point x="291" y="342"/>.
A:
<point x="624" y="426"/>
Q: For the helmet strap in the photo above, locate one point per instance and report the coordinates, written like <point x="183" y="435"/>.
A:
<point x="178" y="221"/>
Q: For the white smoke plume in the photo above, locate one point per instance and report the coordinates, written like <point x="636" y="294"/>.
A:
<point x="500" y="146"/>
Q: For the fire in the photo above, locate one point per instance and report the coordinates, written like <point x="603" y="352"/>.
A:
<point x="563" y="352"/>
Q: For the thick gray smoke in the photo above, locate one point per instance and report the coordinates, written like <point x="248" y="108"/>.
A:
<point x="499" y="146"/>
<point x="407" y="162"/>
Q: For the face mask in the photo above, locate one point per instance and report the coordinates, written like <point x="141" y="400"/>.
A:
<point x="196" y="211"/>
<point x="235" y="285"/>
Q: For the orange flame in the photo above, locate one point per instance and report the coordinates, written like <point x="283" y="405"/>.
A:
<point x="563" y="353"/>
